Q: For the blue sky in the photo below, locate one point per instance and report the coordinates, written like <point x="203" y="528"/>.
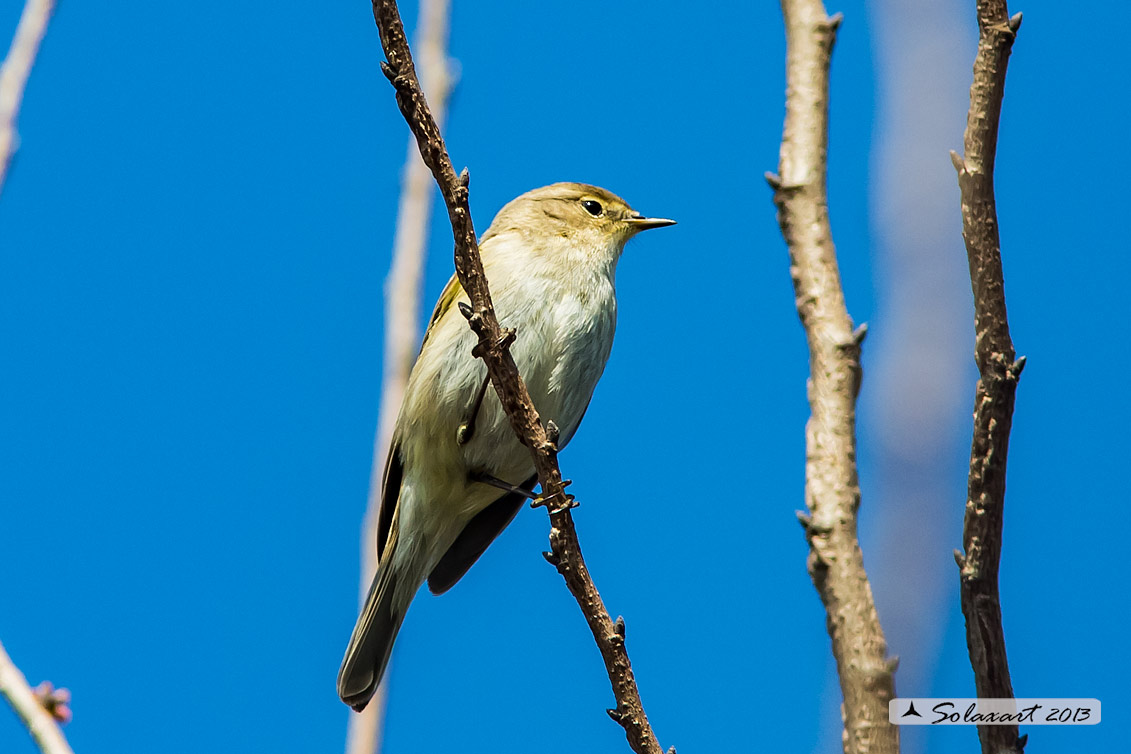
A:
<point x="193" y="242"/>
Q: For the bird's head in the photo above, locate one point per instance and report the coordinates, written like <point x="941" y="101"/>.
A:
<point x="575" y="218"/>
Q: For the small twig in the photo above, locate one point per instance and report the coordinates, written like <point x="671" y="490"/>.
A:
<point x="402" y="333"/>
<point x="14" y="74"/>
<point x="493" y="348"/>
<point x="40" y="723"/>
<point x="998" y="373"/>
<point x="832" y="492"/>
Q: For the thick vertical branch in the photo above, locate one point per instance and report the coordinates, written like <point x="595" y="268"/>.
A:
<point x="15" y="71"/>
<point x="40" y="724"/>
<point x="402" y="310"/>
<point x="832" y="492"/>
<point x="493" y="348"/>
<point x="998" y="373"/>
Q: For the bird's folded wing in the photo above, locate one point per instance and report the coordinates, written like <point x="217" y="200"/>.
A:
<point x="475" y="538"/>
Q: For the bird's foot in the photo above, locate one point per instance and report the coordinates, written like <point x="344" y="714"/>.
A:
<point x="559" y="502"/>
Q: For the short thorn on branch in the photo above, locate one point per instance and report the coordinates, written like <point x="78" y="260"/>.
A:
<point x="811" y="529"/>
<point x="460" y="190"/>
<point x="834" y="21"/>
<point x="552" y="558"/>
<point x="1015" y="22"/>
<point x="856" y="339"/>
<point x="399" y="82"/>
<point x="618" y="630"/>
<point x="553" y="434"/>
<point x="958" y="162"/>
<point x="779" y="186"/>
<point x="1017" y="367"/>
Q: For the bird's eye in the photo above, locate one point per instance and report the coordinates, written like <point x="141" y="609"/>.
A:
<point x="592" y="207"/>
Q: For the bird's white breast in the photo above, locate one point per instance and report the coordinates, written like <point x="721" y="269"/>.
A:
<point x="564" y="325"/>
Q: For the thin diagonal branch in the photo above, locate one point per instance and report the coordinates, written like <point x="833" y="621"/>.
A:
<point x="998" y="373"/>
<point x="832" y="492"/>
<point x="402" y="308"/>
<point x="14" y="74"/>
<point x="565" y="550"/>
<point x="38" y="721"/>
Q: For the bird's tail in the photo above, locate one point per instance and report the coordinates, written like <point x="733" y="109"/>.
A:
<point x="372" y="640"/>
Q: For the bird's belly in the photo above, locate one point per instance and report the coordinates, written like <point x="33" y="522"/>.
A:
<point x="560" y="366"/>
<point x="560" y="351"/>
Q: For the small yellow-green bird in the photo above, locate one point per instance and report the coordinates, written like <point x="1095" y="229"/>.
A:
<point x="456" y="473"/>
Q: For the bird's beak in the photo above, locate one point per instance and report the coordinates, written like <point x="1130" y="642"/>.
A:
<point x="639" y="222"/>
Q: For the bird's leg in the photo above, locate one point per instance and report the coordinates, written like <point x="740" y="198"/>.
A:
<point x="484" y="478"/>
<point x="467" y="426"/>
<point x="535" y="500"/>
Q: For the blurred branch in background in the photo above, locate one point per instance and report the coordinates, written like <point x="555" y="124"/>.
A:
<point x="832" y="491"/>
<point x="494" y="348"/>
<point x="402" y="310"/>
<point x="40" y="710"/>
<point x="998" y="371"/>
<point x="14" y="74"/>
<point x="915" y="414"/>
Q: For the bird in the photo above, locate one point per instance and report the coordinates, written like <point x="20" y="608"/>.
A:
<point x="456" y="473"/>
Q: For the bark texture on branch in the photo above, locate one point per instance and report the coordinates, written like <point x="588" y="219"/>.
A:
<point x="402" y="310"/>
<point x="998" y="371"/>
<point x="40" y="724"/>
<point x="15" y="71"/>
<point x="565" y="550"/>
<point x="832" y="492"/>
